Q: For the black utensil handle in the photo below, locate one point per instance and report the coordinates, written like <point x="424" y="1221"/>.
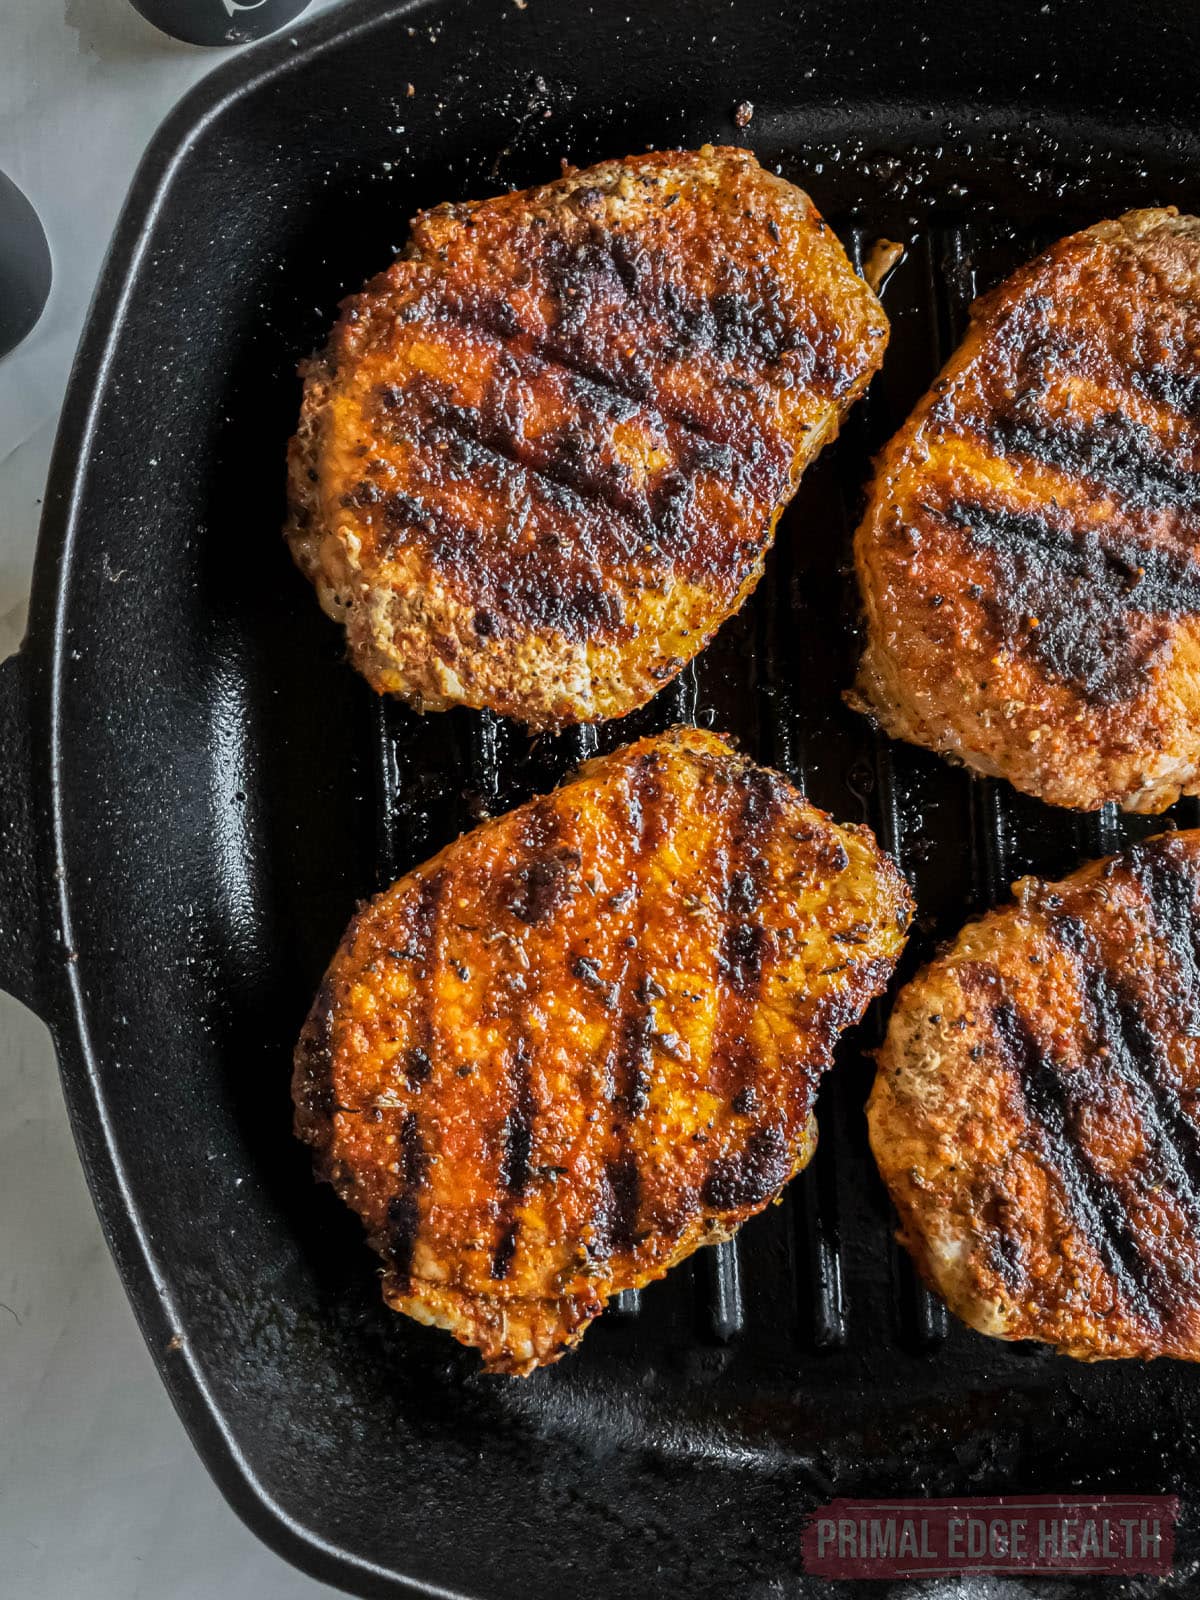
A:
<point x="25" y="267"/>
<point x="22" y="903"/>
<point x="220" y="22"/>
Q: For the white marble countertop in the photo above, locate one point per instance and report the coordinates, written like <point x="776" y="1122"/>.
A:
<point x="100" y="1492"/>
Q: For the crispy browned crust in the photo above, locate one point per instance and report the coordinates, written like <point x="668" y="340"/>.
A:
<point x="1028" y="559"/>
<point x="586" y="1038"/>
<point x="1036" y="1115"/>
<point x="543" y="455"/>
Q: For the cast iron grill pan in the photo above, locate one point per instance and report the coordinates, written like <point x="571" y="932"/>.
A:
<point x="208" y="789"/>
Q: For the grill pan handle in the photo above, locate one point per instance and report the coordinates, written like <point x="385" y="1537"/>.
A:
<point x="22" y="915"/>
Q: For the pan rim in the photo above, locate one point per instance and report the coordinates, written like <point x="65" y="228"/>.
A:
<point x="146" y="1286"/>
<point x="65" y="1006"/>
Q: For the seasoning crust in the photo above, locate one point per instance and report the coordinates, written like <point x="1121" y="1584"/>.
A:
<point x="1028" y="557"/>
<point x="1036" y="1113"/>
<point x="543" y="455"/>
<point x="586" y="1038"/>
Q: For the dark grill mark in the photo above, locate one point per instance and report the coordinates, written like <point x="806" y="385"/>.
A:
<point x="537" y="590"/>
<point x="422" y="950"/>
<point x="1179" y="390"/>
<point x="742" y="947"/>
<point x="750" y="1176"/>
<point x="1169" y="886"/>
<point x="1094" y="1207"/>
<point x="518" y="1127"/>
<point x="1006" y="1252"/>
<point x="1121" y="455"/>
<point x="635" y="1057"/>
<point x="485" y="437"/>
<point x="506" y="1249"/>
<point x="588" y="279"/>
<point x="618" y="1197"/>
<point x="567" y="467"/>
<point x="403" y="1206"/>
<point x="1133" y="1052"/>
<point x="615" y="1216"/>
<point x="1099" y="604"/>
<point x="404" y="1212"/>
<point x="541" y="886"/>
<point x="743" y="944"/>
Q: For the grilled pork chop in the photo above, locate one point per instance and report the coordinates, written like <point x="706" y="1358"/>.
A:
<point x="543" y="456"/>
<point x="586" y="1038"/>
<point x="1028" y="559"/>
<point x="1037" y="1111"/>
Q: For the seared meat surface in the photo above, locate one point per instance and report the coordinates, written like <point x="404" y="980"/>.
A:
<point x="1028" y="559"/>
<point x="587" y="1037"/>
<point x="543" y="455"/>
<point x="1037" y="1111"/>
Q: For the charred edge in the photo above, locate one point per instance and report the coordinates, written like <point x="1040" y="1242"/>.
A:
<point x="751" y="1175"/>
<point x="1119" y="455"/>
<point x="314" y="1058"/>
<point x="404" y="1208"/>
<point x="1094" y="1208"/>
<point x="1084" y="594"/>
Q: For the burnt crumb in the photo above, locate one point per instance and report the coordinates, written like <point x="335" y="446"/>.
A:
<point x="745" y="1101"/>
<point x="417" y="1066"/>
<point x="540" y="887"/>
<point x="365" y="493"/>
<point x="588" y="973"/>
<point x="743" y="112"/>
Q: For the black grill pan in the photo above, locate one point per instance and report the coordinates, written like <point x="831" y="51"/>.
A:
<point x="196" y="790"/>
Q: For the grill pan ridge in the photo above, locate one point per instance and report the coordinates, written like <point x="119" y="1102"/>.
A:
<point x="198" y="790"/>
